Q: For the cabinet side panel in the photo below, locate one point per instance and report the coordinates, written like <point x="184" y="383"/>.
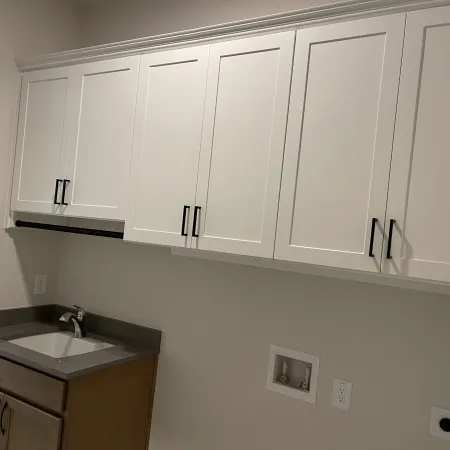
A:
<point x="111" y="409"/>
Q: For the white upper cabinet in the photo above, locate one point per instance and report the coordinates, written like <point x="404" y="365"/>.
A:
<point x="420" y="176"/>
<point x="42" y="141"/>
<point x="242" y="145"/>
<point x="339" y="143"/>
<point x="102" y="123"/>
<point x="166" y="146"/>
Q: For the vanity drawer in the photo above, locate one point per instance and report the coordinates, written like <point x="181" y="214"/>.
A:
<point x="32" y="386"/>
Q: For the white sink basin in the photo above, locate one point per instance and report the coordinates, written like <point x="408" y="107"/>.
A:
<point x="60" y="345"/>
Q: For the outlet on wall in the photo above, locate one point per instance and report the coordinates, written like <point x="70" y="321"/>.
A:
<point x="342" y="394"/>
<point x="40" y="284"/>
<point x="440" y="422"/>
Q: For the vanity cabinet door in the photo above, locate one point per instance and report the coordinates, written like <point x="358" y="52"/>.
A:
<point x="98" y="163"/>
<point x="339" y="143"/>
<point x="28" y="428"/>
<point x="42" y="140"/>
<point x="242" y="145"/>
<point x="2" y="433"/>
<point x="420" y="176"/>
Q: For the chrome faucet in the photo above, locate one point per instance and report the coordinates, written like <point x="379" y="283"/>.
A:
<point x="77" y="320"/>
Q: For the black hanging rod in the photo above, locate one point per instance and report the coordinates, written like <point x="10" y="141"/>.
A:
<point x="65" y="229"/>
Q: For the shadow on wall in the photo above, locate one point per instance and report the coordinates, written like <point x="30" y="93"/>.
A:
<point x="23" y="255"/>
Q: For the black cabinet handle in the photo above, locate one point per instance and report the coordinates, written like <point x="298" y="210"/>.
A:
<point x="389" y="246"/>
<point x="197" y="209"/>
<point x="2" y="429"/>
<point x="185" y="215"/>
<point x="55" y="198"/>
<point x="65" y="183"/>
<point x="372" y="236"/>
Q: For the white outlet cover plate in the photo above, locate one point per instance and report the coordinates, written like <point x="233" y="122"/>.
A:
<point x="436" y="415"/>
<point x="40" y="284"/>
<point x="342" y="394"/>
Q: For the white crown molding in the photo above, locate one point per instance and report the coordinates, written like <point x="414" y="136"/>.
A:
<point x="346" y="9"/>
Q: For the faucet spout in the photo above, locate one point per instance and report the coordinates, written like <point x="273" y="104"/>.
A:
<point x="71" y="317"/>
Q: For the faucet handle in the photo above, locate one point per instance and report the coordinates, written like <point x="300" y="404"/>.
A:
<point x="81" y="313"/>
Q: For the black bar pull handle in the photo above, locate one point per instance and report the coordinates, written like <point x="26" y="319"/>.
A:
<point x="55" y="198"/>
<point x="389" y="246"/>
<point x="185" y="216"/>
<point x="67" y="229"/>
<point x="197" y="209"/>
<point x="65" y="183"/>
<point x="2" y="429"/>
<point x="372" y="236"/>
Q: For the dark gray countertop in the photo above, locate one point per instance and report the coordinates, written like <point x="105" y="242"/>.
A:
<point x="130" y="342"/>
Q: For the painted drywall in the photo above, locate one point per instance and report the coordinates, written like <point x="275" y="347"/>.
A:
<point x="41" y="26"/>
<point x="27" y="28"/>
<point x="218" y="321"/>
<point x="117" y="20"/>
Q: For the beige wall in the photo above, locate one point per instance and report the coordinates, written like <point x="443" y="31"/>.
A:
<point x="219" y="320"/>
<point x="27" y="27"/>
<point x="117" y="20"/>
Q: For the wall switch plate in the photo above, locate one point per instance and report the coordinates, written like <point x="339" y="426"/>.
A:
<point x="40" y="284"/>
<point x="440" y="423"/>
<point x="342" y="394"/>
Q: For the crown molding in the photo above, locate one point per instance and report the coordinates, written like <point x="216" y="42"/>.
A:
<point x="344" y="10"/>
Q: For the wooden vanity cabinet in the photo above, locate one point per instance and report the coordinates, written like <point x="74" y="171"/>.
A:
<point x="105" y="410"/>
<point x="29" y="428"/>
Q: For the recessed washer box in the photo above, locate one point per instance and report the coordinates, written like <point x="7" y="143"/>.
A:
<point x="293" y="373"/>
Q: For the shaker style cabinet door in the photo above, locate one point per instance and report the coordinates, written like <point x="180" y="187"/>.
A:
<point x="42" y="141"/>
<point x="339" y="143"/>
<point x="28" y="428"/>
<point x="242" y="145"/>
<point x="418" y="209"/>
<point x="98" y="166"/>
<point x="2" y="427"/>
<point x="166" y="146"/>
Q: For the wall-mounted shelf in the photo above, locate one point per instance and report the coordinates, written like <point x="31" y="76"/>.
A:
<point x="293" y="373"/>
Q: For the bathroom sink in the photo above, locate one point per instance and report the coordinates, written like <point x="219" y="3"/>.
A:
<point x="60" y="345"/>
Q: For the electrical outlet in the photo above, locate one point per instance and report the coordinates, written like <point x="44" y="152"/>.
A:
<point x="40" y="284"/>
<point x="342" y="394"/>
<point x="440" y="423"/>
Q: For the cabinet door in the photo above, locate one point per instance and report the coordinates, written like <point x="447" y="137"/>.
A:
<point x="28" y="428"/>
<point x="42" y="140"/>
<point x="339" y="143"/>
<point x="420" y="177"/>
<point x="166" y="146"/>
<point x="242" y="144"/>
<point x="101" y="139"/>
<point x="2" y="421"/>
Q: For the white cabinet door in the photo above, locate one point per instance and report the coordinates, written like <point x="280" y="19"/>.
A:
<point x="98" y="165"/>
<point x="339" y="143"/>
<point x="42" y="141"/>
<point x="420" y="176"/>
<point x="242" y="144"/>
<point x="166" y="146"/>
